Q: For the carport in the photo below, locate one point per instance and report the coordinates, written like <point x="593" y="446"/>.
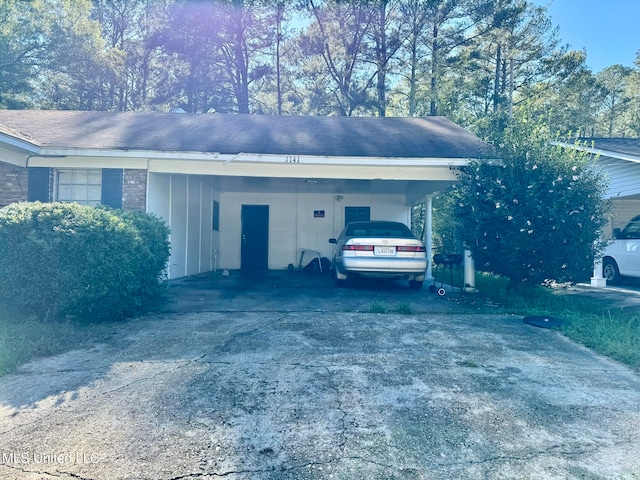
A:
<point x="240" y="191"/>
<point x="619" y="160"/>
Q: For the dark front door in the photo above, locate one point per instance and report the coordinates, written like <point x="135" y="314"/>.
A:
<point x="255" y="237"/>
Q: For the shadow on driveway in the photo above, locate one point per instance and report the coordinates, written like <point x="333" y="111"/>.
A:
<point x="280" y="378"/>
<point x="282" y="290"/>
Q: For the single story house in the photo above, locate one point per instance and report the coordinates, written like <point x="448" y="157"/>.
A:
<point x="619" y="160"/>
<point x="237" y="191"/>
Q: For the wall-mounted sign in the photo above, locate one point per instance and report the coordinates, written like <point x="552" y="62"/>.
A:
<point x="318" y="214"/>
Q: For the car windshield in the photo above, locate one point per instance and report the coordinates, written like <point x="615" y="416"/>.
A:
<point x="632" y="230"/>
<point x="379" y="230"/>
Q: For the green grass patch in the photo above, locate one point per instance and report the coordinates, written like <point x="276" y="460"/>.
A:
<point x="378" y="308"/>
<point x="613" y="332"/>
<point x="23" y="338"/>
<point x="402" y="308"/>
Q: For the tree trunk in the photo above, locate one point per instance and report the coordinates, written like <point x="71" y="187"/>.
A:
<point x="433" y="107"/>
<point x="496" y="82"/>
<point x="279" y="14"/>
<point x="382" y="59"/>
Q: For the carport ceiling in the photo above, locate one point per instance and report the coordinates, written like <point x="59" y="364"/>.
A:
<point x="410" y="188"/>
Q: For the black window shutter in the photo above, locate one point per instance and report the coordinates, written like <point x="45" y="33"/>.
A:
<point x="112" y="187"/>
<point x="38" y="184"/>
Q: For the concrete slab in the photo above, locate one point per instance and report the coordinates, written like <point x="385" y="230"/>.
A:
<point x="303" y="291"/>
<point x="321" y="393"/>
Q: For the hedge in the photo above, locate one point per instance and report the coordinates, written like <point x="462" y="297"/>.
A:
<point x="69" y="259"/>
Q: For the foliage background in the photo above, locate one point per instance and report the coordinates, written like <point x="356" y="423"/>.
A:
<point x="465" y="59"/>
<point x="535" y="214"/>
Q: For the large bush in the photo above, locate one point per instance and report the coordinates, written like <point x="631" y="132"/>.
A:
<point x="534" y="215"/>
<point x="65" y="258"/>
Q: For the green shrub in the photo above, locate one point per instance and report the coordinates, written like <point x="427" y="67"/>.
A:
<point x="534" y="216"/>
<point x="65" y="258"/>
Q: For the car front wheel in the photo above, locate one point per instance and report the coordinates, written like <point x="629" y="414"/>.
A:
<point x="610" y="271"/>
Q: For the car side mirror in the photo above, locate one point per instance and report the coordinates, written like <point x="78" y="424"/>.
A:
<point x="616" y="232"/>
<point x="333" y="240"/>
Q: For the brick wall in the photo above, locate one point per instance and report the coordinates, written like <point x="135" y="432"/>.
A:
<point x="134" y="189"/>
<point x="14" y="184"/>
<point x="14" y="187"/>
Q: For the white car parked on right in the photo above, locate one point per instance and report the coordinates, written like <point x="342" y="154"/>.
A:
<point x="621" y="257"/>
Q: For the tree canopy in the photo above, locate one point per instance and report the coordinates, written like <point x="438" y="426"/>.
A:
<point x="464" y="59"/>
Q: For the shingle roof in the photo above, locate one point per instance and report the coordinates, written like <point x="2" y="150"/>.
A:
<point x="427" y="137"/>
<point x="629" y="146"/>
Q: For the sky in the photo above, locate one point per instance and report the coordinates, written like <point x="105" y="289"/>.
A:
<point x="609" y="30"/>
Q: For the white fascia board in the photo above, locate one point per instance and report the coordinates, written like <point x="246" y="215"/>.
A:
<point x="244" y="164"/>
<point x="600" y="152"/>
<point x="202" y="162"/>
<point x="343" y="160"/>
<point x="15" y="151"/>
<point x="12" y="156"/>
<point x="298" y="170"/>
<point x="18" y="144"/>
<point x="64" y="161"/>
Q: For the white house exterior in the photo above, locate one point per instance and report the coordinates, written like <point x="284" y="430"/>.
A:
<point x="619" y="159"/>
<point x="237" y="191"/>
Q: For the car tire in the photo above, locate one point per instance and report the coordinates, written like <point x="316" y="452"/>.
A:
<point x="415" y="284"/>
<point x="610" y="271"/>
<point x="340" y="282"/>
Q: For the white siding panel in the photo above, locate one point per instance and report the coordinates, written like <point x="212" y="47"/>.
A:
<point x="158" y="200"/>
<point x="623" y="176"/>
<point x="230" y="228"/>
<point x="390" y="207"/>
<point x="206" y="228"/>
<point x="621" y="212"/>
<point x="313" y="233"/>
<point x="292" y="224"/>
<point x="193" y="226"/>
<point x="178" y="188"/>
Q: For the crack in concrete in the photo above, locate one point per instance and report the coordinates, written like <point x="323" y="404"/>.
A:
<point x="553" y="450"/>
<point x="159" y="373"/>
<point x="291" y="468"/>
<point x="57" y="474"/>
<point x="343" y="419"/>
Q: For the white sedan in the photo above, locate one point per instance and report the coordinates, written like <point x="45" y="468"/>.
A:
<point x="379" y="249"/>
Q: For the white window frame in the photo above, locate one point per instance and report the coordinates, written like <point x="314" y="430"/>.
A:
<point x="80" y="190"/>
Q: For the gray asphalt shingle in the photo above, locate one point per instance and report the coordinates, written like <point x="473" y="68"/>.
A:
<point x="425" y="137"/>
<point x="629" y="146"/>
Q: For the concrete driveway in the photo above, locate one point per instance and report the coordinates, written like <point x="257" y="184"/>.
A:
<point x="290" y="378"/>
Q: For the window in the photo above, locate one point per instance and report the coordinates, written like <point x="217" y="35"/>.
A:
<point x="631" y="231"/>
<point x="356" y="214"/>
<point x="216" y="215"/>
<point x="81" y="186"/>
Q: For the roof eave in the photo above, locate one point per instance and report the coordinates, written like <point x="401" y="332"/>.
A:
<point x="601" y="152"/>
<point x="48" y="152"/>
